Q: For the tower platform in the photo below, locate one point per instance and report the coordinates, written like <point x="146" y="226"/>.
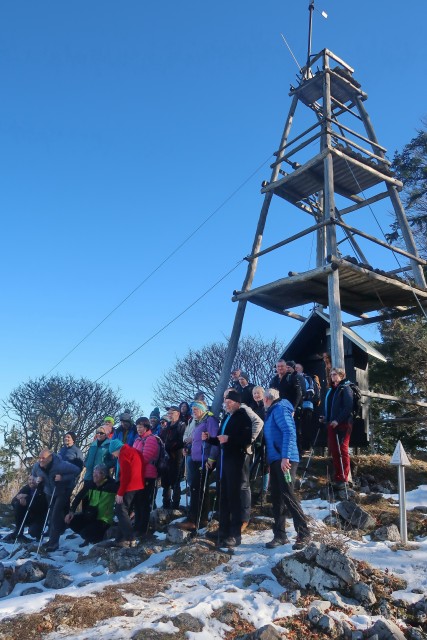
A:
<point x="361" y="290"/>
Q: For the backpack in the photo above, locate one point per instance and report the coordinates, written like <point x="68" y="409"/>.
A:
<point x="312" y="394"/>
<point x="162" y="462"/>
<point x="357" y="400"/>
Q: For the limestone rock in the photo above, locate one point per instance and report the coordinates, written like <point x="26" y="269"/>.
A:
<point x="55" y="579"/>
<point x="152" y="634"/>
<point x="177" y="536"/>
<point x="268" y="632"/>
<point x="115" y="558"/>
<point x="6" y="588"/>
<point x="337" y="562"/>
<point x="318" y="617"/>
<point x="390" y="532"/>
<point x="186" y="622"/>
<point x="364" y="593"/>
<point x="342" y="602"/>
<point x="193" y="557"/>
<point x="31" y="590"/>
<point x="254" y="578"/>
<point x="357" y="517"/>
<point x="385" y="630"/>
<point x="29" y="572"/>
<point x="310" y="551"/>
<point x="307" y="576"/>
<point x="321" y="605"/>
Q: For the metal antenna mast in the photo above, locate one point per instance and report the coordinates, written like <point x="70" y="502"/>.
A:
<point x="310" y="31"/>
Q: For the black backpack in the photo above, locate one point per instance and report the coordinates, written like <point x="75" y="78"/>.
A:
<point x="162" y="462"/>
<point x="357" y="400"/>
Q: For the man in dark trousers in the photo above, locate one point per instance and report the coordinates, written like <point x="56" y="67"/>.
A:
<point x="29" y="498"/>
<point x="173" y="436"/>
<point x="235" y="435"/>
<point x="59" y="478"/>
<point x="281" y="445"/>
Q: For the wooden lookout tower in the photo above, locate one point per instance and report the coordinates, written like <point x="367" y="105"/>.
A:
<point x="347" y="173"/>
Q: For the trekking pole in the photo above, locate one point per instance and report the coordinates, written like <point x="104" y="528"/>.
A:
<point x="199" y="503"/>
<point x="342" y="465"/>
<point x="46" y="519"/>
<point x="309" y="458"/>
<point x="21" y="528"/>
<point x="186" y="483"/>
<point x="220" y="489"/>
<point x="199" y="515"/>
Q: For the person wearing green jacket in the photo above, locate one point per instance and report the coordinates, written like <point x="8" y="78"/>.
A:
<point x="97" y="498"/>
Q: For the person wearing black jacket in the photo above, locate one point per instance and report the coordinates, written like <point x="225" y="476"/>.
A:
<point x="339" y="420"/>
<point x="246" y="392"/>
<point x="30" y="493"/>
<point x="172" y="436"/>
<point x="235" y="434"/>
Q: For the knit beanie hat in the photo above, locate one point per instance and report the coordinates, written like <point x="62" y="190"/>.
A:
<point x="109" y="419"/>
<point x="155" y="413"/>
<point x="126" y="417"/>
<point x="233" y="395"/>
<point x="72" y="434"/>
<point x="199" y="405"/>
<point x="115" y="445"/>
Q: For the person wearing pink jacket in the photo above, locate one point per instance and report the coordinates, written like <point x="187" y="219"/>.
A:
<point x="148" y="445"/>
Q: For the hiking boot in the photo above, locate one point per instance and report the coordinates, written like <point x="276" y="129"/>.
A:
<point x="244" y="527"/>
<point x="10" y="537"/>
<point x="51" y="546"/>
<point x="85" y="543"/>
<point x="213" y="535"/>
<point x="276" y="542"/>
<point x="232" y="541"/>
<point x="301" y="542"/>
<point x="187" y="525"/>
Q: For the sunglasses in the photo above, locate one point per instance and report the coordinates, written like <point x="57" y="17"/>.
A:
<point x="101" y="433"/>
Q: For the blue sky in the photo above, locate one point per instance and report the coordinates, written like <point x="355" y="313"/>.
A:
<point x="122" y="127"/>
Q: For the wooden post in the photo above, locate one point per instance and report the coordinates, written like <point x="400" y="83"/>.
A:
<point x="250" y="274"/>
<point x="334" y="301"/>
<point x="396" y="202"/>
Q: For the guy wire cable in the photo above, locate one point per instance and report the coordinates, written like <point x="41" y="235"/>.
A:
<point x="165" y="326"/>
<point x="395" y="257"/>
<point x="163" y="262"/>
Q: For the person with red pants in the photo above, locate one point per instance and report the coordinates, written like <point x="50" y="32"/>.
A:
<point x="131" y="464"/>
<point x="339" y="420"/>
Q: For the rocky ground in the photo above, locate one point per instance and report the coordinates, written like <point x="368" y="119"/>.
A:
<point x="176" y="586"/>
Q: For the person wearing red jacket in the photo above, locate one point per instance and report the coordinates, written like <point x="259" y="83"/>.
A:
<point x="148" y="445"/>
<point x="131" y="465"/>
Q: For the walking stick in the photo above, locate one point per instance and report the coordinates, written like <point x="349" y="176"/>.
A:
<point x="21" y="528"/>
<point x="186" y="483"/>
<point x="46" y="519"/>
<point x="199" y="503"/>
<point x="309" y="458"/>
<point x="199" y="515"/>
<point x="342" y="465"/>
<point x="220" y="490"/>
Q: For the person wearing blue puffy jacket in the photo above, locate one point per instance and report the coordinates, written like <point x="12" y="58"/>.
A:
<point x="281" y="447"/>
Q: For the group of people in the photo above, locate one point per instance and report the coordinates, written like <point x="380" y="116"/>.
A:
<point x="127" y="464"/>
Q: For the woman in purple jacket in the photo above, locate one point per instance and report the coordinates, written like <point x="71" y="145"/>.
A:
<point x="203" y="459"/>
